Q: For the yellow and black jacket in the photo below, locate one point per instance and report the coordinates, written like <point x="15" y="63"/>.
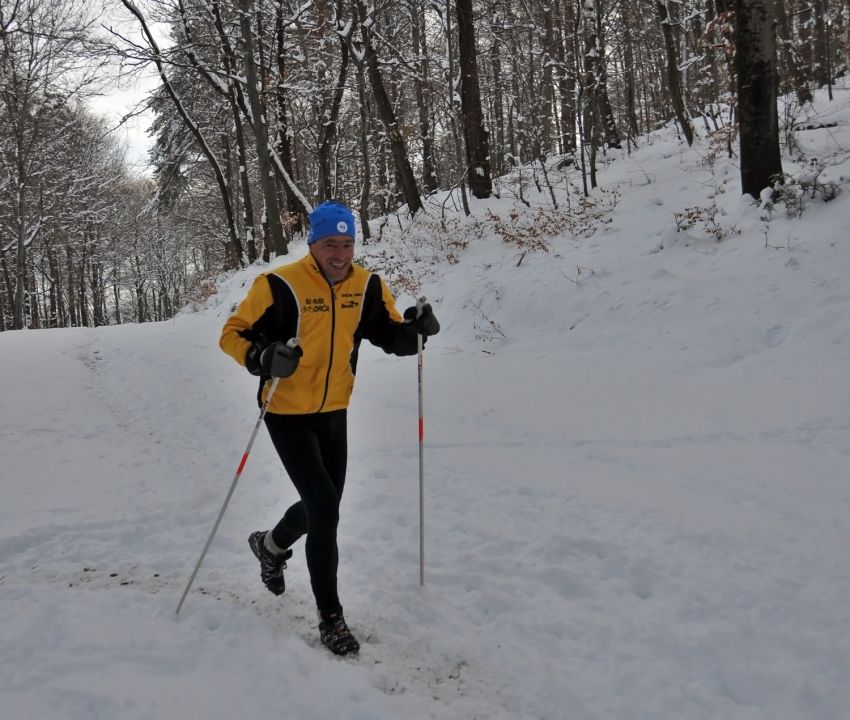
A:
<point x="298" y="301"/>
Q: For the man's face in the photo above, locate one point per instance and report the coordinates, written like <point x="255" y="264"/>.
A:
<point x="333" y="255"/>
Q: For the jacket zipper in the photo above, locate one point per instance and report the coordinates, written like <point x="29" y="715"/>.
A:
<point x="331" y="358"/>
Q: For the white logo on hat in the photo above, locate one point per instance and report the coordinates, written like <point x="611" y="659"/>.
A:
<point x="342" y="226"/>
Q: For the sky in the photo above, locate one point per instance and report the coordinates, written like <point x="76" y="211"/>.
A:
<point x="128" y="94"/>
<point x="132" y="133"/>
<point x="635" y="468"/>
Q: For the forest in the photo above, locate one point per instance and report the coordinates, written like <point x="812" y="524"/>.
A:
<point x="397" y="107"/>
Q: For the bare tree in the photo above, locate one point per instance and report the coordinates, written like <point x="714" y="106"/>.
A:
<point x="44" y="69"/>
<point x="260" y="125"/>
<point x="384" y="108"/>
<point x="421" y="87"/>
<point x="156" y="56"/>
<point x="793" y="77"/>
<point x="674" y="79"/>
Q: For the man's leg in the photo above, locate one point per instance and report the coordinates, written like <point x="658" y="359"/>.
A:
<point x="315" y="456"/>
<point x="305" y="444"/>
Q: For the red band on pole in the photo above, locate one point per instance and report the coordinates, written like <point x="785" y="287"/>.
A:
<point x="421" y="429"/>
<point x="242" y="464"/>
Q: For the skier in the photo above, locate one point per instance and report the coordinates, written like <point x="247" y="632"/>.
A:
<point x="329" y="304"/>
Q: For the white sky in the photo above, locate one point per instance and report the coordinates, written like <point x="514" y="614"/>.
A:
<point x="133" y="132"/>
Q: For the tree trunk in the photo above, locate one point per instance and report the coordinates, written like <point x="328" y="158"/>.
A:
<point x="589" y="106"/>
<point x="821" y="63"/>
<point x="605" y="113"/>
<point x="19" y="316"/>
<point x="384" y="107"/>
<point x="566" y="75"/>
<point x="261" y="131"/>
<point x="96" y="286"/>
<point x="629" y="72"/>
<point x="674" y="80"/>
<point x="755" y="67"/>
<point x="537" y="128"/>
<point x="423" y="105"/>
<point x="793" y="76"/>
<point x="328" y="104"/>
<point x="82" y="300"/>
<point x="8" y="285"/>
<point x="248" y="221"/>
<point x="54" y="318"/>
<point x="72" y="289"/>
<point x="497" y="155"/>
<point x="846" y="39"/>
<point x="32" y="299"/>
<point x="550" y="54"/>
<point x="366" y="187"/>
<point x="805" y="25"/>
<point x="235" y="100"/>
<point x="116" y="292"/>
<point x="475" y="135"/>
<point x="453" y="115"/>
<point x="297" y="211"/>
<point x="139" y="286"/>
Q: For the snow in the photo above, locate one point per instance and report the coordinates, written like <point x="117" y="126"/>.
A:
<point x="636" y="482"/>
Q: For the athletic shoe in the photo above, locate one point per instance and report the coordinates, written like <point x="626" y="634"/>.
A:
<point x="336" y="636"/>
<point x="271" y="565"/>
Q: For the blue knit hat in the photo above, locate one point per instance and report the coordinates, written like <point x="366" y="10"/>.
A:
<point x="330" y="218"/>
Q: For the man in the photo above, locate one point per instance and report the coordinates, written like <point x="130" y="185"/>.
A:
<point x="303" y="323"/>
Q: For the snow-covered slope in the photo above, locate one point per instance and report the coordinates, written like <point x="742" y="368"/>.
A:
<point x="636" y="471"/>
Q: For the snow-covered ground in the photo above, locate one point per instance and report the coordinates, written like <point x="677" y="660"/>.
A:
<point x="636" y="468"/>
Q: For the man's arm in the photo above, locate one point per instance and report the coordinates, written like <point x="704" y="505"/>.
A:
<point x="248" y="324"/>
<point x="383" y="325"/>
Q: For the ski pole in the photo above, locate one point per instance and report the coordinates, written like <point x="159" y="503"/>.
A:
<point x="292" y="343"/>
<point x="419" y="303"/>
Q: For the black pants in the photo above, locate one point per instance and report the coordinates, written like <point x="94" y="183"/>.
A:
<point x="314" y="451"/>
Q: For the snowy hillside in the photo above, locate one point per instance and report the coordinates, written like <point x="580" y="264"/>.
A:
<point x="638" y="441"/>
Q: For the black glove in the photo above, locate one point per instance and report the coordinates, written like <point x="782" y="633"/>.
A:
<point x="252" y="358"/>
<point x="426" y="324"/>
<point x="276" y="360"/>
<point x="280" y="360"/>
